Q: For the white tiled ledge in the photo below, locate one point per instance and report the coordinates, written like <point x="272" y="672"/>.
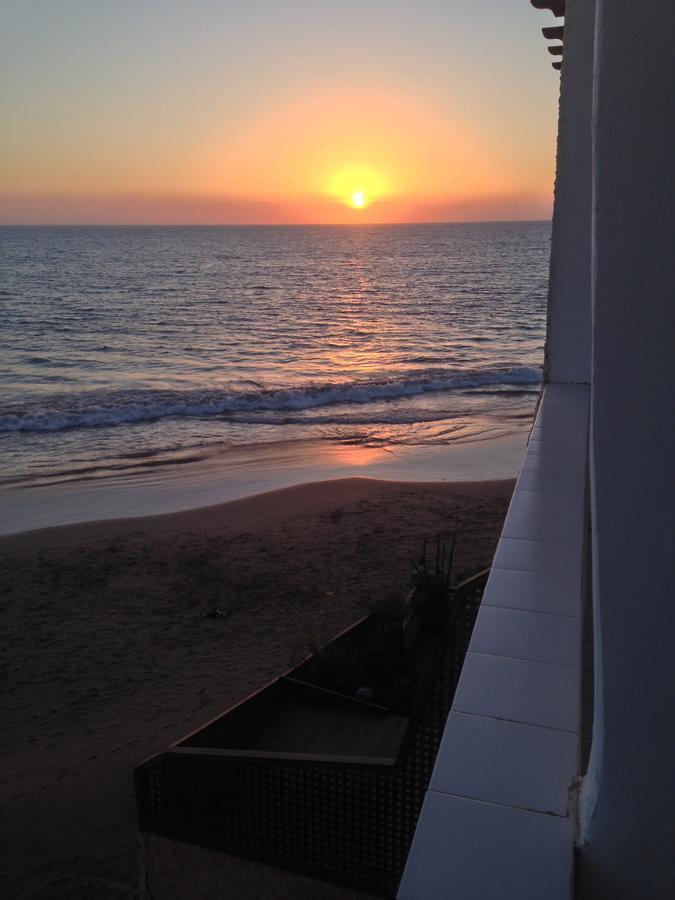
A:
<point x="495" y="824"/>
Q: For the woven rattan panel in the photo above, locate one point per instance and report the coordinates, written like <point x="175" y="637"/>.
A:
<point x="351" y="822"/>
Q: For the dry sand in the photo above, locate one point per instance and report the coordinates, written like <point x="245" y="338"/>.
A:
<point x="107" y="659"/>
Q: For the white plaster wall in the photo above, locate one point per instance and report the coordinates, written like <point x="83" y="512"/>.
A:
<point x="628" y="800"/>
<point x="568" y="343"/>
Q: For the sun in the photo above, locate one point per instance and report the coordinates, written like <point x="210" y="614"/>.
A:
<point x="358" y="187"/>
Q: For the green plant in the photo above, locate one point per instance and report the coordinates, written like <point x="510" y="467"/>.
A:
<point x="316" y="639"/>
<point x="435" y="582"/>
<point x="390" y="607"/>
<point x="84" y="888"/>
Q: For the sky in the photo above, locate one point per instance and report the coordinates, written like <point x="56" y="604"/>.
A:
<point x="274" y="111"/>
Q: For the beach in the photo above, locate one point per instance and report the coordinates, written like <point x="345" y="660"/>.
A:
<point x="108" y="657"/>
<point x="193" y="366"/>
<point x="269" y="421"/>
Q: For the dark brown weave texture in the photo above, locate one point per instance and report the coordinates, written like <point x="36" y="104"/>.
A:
<point x="350" y="821"/>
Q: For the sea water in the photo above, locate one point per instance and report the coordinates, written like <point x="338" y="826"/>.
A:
<point x="135" y="356"/>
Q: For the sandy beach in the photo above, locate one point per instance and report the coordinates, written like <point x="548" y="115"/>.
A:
<point x="107" y="657"/>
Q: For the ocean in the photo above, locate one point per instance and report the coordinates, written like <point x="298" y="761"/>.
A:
<point x="152" y="368"/>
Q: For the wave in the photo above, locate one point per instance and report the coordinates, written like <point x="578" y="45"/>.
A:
<point x="98" y="408"/>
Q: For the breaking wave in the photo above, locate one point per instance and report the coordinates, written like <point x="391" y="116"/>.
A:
<point x="111" y="408"/>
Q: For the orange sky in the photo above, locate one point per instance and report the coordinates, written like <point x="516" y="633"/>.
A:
<point x="117" y="131"/>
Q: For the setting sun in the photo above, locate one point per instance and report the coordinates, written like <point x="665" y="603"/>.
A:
<point x="357" y="187"/>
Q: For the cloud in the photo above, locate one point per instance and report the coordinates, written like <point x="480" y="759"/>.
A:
<point x="199" y="209"/>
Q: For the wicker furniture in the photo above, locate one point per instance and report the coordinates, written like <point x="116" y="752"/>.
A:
<point x="343" y="809"/>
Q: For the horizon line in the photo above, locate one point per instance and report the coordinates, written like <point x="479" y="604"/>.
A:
<point x="263" y="224"/>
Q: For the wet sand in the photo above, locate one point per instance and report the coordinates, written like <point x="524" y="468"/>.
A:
<point x="107" y="657"/>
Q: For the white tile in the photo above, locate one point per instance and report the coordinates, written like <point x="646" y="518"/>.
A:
<point x="506" y="762"/>
<point x="555" y="402"/>
<point x="538" y="556"/>
<point x="537" y="591"/>
<point x="582" y="388"/>
<point x="565" y="418"/>
<point x="576" y="434"/>
<point x="573" y="402"/>
<point x="572" y="431"/>
<point x="524" y="634"/>
<point x="546" y="462"/>
<point x="539" y="526"/>
<point x="557" y="449"/>
<point x="572" y="449"/>
<point x="543" y="502"/>
<point x="552" y="482"/>
<point x="561" y="416"/>
<point x="567" y="394"/>
<point x="520" y="691"/>
<point x="469" y="850"/>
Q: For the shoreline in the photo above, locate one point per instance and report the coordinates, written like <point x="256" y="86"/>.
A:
<point x="220" y="478"/>
<point x="110" y="659"/>
<point x="261" y="505"/>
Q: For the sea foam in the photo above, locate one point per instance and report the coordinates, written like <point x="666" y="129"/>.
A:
<point x="94" y="409"/>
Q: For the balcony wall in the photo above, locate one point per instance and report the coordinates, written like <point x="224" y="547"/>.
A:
<point x="498" y="817"/>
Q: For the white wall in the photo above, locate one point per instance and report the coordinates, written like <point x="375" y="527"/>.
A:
<point x="568" y="342"/>
<point x="628" y="800"/>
